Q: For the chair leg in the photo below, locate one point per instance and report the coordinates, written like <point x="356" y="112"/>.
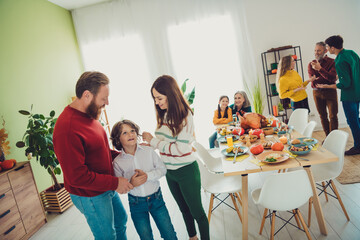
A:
<point x="211" y="206"/>
<point x="309" y="213"/>
<point x="235" y="205"/>
<point x="263" y="221"/>
<point x="324" y="187"/>
<point x="339" y="199"/>
<point x="304" y="224"/>
<point x="296" y="218"/>
<point x="272" y="226"/>
<point x="239" y="198"/>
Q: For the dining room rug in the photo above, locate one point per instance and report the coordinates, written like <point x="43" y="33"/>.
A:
<point x="351" y="171"/>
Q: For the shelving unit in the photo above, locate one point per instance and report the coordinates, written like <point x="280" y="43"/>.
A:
<point x="270" y="59"/>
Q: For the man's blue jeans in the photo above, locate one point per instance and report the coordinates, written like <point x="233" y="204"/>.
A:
<point x="351" y="110"/>
<point x="105" y="215"/>
<point x="140" y="207"/>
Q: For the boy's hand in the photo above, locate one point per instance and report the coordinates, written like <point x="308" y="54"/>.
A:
<point x="137" y="179"/>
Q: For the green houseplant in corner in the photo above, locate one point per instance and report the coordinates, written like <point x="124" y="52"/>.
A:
<point x="39" y="144"/>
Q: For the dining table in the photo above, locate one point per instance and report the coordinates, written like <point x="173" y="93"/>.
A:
<point x="251" y="164"/>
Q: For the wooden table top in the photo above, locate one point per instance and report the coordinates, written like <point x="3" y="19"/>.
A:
<point x="319" y="156"/>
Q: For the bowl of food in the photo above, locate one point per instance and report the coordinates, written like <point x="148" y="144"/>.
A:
<point x="299" y="149"/>
<point x="268" y="130"/>
<point x="267" y="144"/>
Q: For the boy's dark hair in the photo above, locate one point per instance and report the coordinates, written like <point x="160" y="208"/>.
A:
<point x="117" y="129"/>
<point x="335" y="41"/>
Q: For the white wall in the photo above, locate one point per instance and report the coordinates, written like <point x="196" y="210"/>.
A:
<point x="278" y="23"/>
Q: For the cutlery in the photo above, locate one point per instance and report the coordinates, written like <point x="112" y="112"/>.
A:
<point x="234" y="161"/>
<point x="303" y="158"/>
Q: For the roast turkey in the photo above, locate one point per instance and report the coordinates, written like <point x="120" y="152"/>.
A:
<point x="252" y="120"/>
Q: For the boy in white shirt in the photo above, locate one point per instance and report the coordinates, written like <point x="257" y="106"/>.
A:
<point x="143" y="168"/>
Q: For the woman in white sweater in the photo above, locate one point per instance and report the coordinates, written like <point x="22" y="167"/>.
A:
<point x="173" y="138"/>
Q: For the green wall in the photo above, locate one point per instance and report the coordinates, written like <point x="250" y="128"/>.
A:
<point x="39" y="64"/>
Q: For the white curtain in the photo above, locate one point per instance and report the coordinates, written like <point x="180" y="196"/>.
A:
<point x="135" y="41"/>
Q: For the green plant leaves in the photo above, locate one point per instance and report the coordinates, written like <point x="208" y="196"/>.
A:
<point x="24" y="112"/>
<point x="183" y="87"/>
<point x="20" y="144"/>
<point x="39" y="141"/>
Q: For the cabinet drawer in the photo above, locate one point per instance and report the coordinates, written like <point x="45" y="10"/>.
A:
<point x="7" y="201"/>
<point x="4" y="183"/>
<point x="14" y="232"/>
<point x="9" y="218"/>
<point x="27" y="197"/>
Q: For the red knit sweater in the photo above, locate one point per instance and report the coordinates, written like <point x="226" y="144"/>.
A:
<point x="82" y="149"/>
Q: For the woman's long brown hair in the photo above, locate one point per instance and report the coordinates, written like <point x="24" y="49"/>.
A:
<point x="284" y="66"/>
<point x="178" y="108"/>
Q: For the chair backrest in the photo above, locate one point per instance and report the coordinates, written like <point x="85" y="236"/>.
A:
<point x="285" y="191"/>
<point x="213" y="164"/>
<point x="335" y="142"/>
<point x="299" y="118"/>
<point x="309" y="129"/>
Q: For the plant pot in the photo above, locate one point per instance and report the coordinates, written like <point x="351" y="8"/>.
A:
<point x="56" y="200"/>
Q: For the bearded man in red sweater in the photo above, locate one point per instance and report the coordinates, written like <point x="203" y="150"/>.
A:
<point x="83" y="151"/>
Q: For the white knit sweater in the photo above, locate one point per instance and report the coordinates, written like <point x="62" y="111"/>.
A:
<point x="176" y="152"/>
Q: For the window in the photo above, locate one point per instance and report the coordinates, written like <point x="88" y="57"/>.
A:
<point x="123" y="60"/>
<point x="206" y="52"/>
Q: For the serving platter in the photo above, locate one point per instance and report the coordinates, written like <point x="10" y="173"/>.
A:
<point x="279" y="155"/>
<point x="231" y="154"/>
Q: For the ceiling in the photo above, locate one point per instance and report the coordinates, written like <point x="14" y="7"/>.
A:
<point x="74" y="4"/>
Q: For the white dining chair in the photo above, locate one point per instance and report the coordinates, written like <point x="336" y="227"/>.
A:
<point x="298" y="119"/>
<point x="324" y="174"/>
<point x="214" y="165"/>
<point x="309" y="129"/>
<point x="217" y="184"/>
<point x="284" y="192"/>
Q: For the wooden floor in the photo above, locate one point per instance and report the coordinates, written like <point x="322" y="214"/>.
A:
<point x="225" y="223"/>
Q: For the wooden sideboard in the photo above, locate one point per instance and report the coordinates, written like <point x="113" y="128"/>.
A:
<point x="21" y="211"/>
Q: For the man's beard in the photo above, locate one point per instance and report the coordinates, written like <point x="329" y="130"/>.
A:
<point x="93" y="110"/>
<point x="320" y="57"/>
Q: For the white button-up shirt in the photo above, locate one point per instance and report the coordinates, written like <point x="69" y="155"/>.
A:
<point x="146" y="159"/>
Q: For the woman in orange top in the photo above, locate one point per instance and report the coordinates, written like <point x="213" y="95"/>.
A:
<point x="222" y="115"/>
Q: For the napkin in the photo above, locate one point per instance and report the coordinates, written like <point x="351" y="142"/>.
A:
<point x="315" y="147"/>
<point x="238" y="158"/>
<point x="257" y="162"/>
<point x="290" y="154"/>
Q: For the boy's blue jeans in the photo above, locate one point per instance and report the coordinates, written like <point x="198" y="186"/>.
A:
<point x="105" y="215"/>
<point x="351" y="110"/>
<point x="140" y="207"/>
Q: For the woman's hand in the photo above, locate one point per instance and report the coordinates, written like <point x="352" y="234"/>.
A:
<point x="299" y="89"/>
<point x="313" y="78"/>
<point x="147" y="137"/>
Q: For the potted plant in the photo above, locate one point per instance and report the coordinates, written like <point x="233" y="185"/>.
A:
<point x="38" y="142"/>
<point x="281" y="109"/>
<point x="188" y="96"/>
<point x="256" y="97"/>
